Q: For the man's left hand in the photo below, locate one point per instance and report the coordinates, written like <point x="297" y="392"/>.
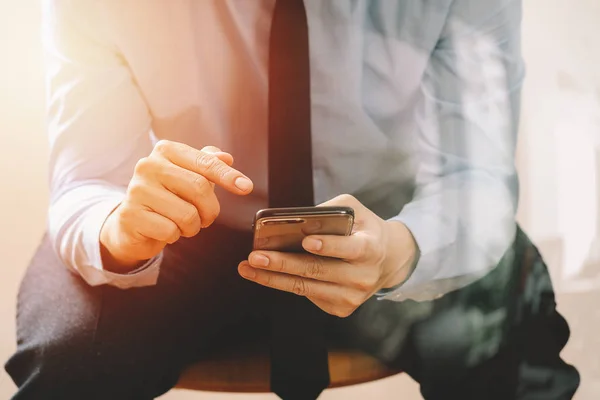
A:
<point x="339" y="273"/>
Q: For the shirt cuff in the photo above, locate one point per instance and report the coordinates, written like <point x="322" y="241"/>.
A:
<point x="145" y="275"/>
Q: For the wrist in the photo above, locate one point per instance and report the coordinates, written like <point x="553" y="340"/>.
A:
<point x="401" y="254"/>
<point x="112" y="259"/>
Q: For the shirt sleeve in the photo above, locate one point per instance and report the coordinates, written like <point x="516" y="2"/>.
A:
<point x="98" y="127"/>
<point x="462" y="215"/>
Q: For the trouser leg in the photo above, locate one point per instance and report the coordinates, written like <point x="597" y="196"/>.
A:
<point x="498" y="338"/>
<point x="82" y="342"/>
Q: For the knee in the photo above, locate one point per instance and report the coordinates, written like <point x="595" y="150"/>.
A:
<point x="74" y="361"/>
<point x="71" y="345"/>
<point x="458" y="339"/>
<point x="74" y="365"/>
<point x="52" y="360"/>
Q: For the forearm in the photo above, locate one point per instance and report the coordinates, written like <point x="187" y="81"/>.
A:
<point x="461" y="232"/>
<point x="98" y="128"/>
<point x="462" y="215"/>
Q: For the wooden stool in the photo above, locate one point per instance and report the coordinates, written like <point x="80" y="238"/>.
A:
<point x="248" y="371"/>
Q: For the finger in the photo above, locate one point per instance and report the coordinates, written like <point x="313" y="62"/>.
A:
<point x="352" y="248"/>
<point x="154" y="226"/>
<point x="326" y="291"/>
<point x="193" y="188"/>
<point x="286" y="241"/>
<point x="206" y="164"/>
<point x="223" y="156"/>
<point x="305" y="266"/>
<point x="167" y="204"/>
<point x="363" y="278"/>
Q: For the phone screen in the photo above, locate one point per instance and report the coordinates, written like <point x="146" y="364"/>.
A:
<point x="283" y="229"/>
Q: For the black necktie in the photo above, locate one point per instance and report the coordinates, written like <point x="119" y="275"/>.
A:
<point x="299" y="368"/>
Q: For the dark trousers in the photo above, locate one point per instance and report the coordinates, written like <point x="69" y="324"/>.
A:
<point x="498" y="338"/>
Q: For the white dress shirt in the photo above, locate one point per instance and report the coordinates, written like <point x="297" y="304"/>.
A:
<point x="414" y="111"/>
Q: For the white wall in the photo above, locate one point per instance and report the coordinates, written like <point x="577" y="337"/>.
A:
<point x="23" y="194"/>
<point x="561" y="125"/>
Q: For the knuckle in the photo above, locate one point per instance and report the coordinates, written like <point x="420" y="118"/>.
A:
<point x="221" y="170"/>
<point x="190" y="219"/>
<point x="366" y="283"/>
<point x="268" y="280"/>
<point x="162" y="147"/>
<point x="300" y="287"/>
<point x="127" y="213"/>
<point x="143" y="166"/>
<point x="314" y="268"/>
<point x="202" y="185"/>
<point x="211" y="163"/>
<point x="201" y="188"/>
<point x="281" y="265"/>
<point x="206" y="161"/>
<point x="136" y="189"/>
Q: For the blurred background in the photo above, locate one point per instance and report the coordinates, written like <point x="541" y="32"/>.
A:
<point x="558" y="161"/>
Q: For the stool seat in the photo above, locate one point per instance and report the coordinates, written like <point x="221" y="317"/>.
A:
<point x="248" y="371"/>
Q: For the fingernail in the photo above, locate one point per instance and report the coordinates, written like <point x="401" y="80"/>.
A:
<point x="313" y="244"/>
<point x="247" y="271"/>
<point x="259" y="260"/>
<point x="244" y="184"/>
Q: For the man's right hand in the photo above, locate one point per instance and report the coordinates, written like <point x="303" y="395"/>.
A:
<point x="170" y="195"/>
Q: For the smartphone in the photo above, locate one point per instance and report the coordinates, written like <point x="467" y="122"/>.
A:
<point x="283" y="229"/>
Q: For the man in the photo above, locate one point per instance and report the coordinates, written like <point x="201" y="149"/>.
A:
<point x="414" y="115"/>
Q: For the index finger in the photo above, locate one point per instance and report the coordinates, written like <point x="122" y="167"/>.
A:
<point x="207" y="164"/>
<point x="223" y="156"/>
